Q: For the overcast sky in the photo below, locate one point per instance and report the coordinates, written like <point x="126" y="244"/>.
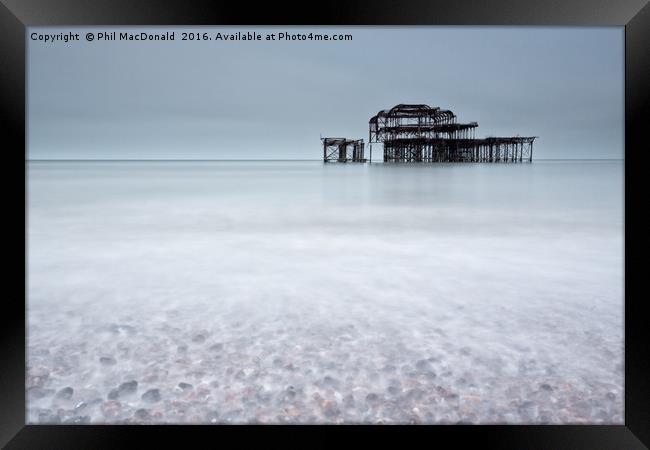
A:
<point x="272" y="100"/>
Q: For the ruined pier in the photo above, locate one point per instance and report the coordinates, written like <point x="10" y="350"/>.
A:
<point x="421" y="133"/>
<point x="343" y="150"/>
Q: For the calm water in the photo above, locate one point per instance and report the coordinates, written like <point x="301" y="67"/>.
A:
<point x="308" y="293"/>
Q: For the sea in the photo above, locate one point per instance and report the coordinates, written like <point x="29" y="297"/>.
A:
<point x="310" y="292"/>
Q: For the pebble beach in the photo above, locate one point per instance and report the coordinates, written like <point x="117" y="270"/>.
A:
<point x="244" y="373"/>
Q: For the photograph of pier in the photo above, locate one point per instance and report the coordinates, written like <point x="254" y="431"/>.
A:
<point x="196" y="255"/>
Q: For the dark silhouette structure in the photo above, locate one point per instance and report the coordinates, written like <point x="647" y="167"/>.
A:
<point x="343" y="150"/>
<point x="422" y="133"/>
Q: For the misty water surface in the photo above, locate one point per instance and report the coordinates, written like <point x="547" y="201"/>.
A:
<point x="273" y="292"/>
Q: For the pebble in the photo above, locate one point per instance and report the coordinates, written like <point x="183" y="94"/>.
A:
<point x="37" y="377"/>
<point x="422" y="364"/>
<point x="142" y="414"/>
<point x="39" y="392"/>
<point x="46" y="416"/>
<point x="123" y="389"/>
<point x="330" y="408"/>
<point x="290" y="392"/>
<point x="330" y="381"/>
<point x="80" y="406"/>
<point x="111" y="409"/>
<point x="372" y="398"/>
<point x="185" y="386"/>
<point x="527" y="410"/>
<point x="415" y="394"/>
<point x="65" y="393"/>
<point x="582" y="408"/>
<point x="265" y="397"/>
<point x="393" y="390"/>
<point x="212" y="416"/>
<point x="77" y="420"/>
<point x="151" y="396"/>
<point x="430" y="374"/>
<point x="107" y="361"/>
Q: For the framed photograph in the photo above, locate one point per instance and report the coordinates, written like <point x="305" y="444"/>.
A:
<point x="382" y="219"/>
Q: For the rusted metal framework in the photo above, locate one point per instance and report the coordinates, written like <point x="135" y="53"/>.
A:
<point x="421" y="133"/>
<point x="343" y="150"/>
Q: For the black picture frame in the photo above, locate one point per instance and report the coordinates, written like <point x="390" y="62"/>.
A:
<point x="16" y="15"/>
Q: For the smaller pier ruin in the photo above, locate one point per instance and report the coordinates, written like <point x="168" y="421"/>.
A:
<point x="343" y="150"/>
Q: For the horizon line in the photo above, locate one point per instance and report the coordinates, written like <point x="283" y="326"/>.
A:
<point x="252" y="159"/>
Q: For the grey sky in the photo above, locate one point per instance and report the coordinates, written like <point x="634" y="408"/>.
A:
<point x="243" y="100"/>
